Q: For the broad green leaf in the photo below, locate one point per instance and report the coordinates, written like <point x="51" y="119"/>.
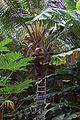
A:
<point x="57" y="60"/>
<point x="47" y="14"/>
<point x="72" y="116"/>
<point x="23" y="19"/>
<point x="75" y="28"/>
<point x="60" y="117"/>
<point x="70" y="4"/>
<point x="78" y="5"/>
<point x="60" y="71"/>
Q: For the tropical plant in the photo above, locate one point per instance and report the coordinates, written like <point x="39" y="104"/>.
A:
<point x="65" y="23"/>
<point x="64" y="27"/>
<point x="47" y="30"/>
<point x="11" y="62"/>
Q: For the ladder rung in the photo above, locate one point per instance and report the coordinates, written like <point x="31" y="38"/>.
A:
<point x="39" y="117"/>
<point x="41" y="98"/>
<point x="41" y="91"/>
<point x="42" y="82"/>
<point x="40" y="101"/>
<point x="41" y="95"/>
<point x="41" y="86"/>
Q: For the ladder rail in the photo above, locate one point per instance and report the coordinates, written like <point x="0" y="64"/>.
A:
<point x="41" y="98"/>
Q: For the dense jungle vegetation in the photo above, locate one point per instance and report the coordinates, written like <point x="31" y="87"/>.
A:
<point x="39" y="46"/>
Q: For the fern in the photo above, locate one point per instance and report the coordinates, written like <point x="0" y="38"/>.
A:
<point x="14" y="61"/>
<point x="7" y="88"/>
<point x="20" y="87"/>
<point x="4" y="81"/>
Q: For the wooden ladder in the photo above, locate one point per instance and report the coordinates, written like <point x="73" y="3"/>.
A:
<point x="41" y="98"/>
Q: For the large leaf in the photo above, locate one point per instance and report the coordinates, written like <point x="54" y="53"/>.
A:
<point x="59" y="117"/>
<point x="58" y="60"/>
<point x="47" y="14"/>
<point x="70" y="4"/>
<point x="60" y="71"/>
<point x="78" y="5"/>
<point x="14" y="61"/>
<point x="72" y="116"/>
<point x="23" y="19"/>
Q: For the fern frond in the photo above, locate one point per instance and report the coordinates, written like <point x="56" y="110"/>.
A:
<point x="7" y="88"/>
<point x="4" y="81"/>
<point x="14" y="61"/>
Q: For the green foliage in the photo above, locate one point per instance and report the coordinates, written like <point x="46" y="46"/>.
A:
<point x="70" y="4"/>
<point x="60" y="71"/>
<point x="57" y="60"/>
<point x="4" y="81"/>
<point x="47" y="14"/>
<point x="58" y="112"/>
<point x="44" y="15"/>
<point x="69" y="20"/>
<point x="78" y="5"/>
<point x="14" y="61"/>
<point x="3" y="44"/>
<point x="15" y="14"/>
<point x="20" y="87"/>
<point x="7" y="88"/>
<point x="65" y="24"/>
<point x="23" y="19"/>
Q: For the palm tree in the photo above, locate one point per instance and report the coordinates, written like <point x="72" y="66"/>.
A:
<point x="15" y="16"/>
<point x="64" y="23"/>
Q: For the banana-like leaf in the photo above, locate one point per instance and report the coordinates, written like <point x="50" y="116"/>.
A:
<point x="70" y="4"/>
<point x="47" y="14"/>
<point x="23" y="19"/>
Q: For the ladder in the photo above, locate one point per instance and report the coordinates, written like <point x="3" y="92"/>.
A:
<point x="41" y="98"/>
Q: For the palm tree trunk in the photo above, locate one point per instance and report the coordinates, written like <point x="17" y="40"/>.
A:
<point x="0" y="116"/>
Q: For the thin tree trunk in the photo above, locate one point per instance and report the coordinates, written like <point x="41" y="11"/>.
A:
<point x="0" y="116"/>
